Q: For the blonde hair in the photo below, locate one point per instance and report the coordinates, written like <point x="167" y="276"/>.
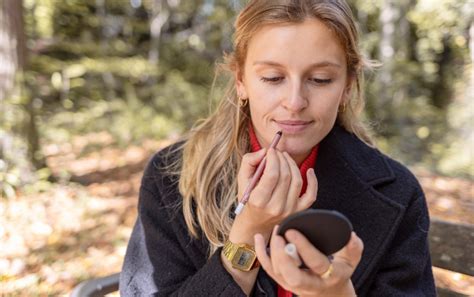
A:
<point x="213" y="149"/>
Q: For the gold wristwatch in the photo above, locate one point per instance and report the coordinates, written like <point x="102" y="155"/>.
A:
<point x="242" y="256"/>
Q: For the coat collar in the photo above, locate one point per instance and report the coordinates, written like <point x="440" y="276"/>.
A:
<point x="349" y="172"/>
<point x="367" y="163"/>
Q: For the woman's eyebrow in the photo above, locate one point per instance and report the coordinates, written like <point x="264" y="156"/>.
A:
<point x="321" y="64"/>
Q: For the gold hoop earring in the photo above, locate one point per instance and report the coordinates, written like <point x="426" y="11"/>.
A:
<point x="343" y="108"/>
<point x="243" y="102"/>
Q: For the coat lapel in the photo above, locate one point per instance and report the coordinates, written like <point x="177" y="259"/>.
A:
<point x="348" y="174"/>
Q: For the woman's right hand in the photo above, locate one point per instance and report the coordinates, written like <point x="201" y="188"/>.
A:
<point x="275" y="197"/>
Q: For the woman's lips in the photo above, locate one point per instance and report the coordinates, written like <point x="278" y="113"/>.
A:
<point x="292" y="126"/>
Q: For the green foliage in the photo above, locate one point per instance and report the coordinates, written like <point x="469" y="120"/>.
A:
<point x="413" y="113"/>
<point x="89" y="69"/>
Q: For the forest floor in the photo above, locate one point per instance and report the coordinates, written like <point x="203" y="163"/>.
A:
<point x="76" y="230"/>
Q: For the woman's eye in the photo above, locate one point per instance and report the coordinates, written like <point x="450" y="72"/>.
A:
<point x="277" y="79"/>
<point x="321" y="81"/>
<point x="271" y="79"/>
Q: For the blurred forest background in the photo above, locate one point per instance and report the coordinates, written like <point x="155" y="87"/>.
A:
<point x="89" y="89"/>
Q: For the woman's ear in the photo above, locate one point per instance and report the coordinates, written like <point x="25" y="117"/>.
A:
<point x="239" y="84"/>
<point x="348" y="89"/>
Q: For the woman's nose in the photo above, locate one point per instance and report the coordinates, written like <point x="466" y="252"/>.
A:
<point x="295" y="99"/>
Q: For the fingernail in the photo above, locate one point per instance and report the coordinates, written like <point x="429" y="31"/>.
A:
<point x="256" y="236"/>
<point x="290" y="235"/>
<point x="353" y="239"/>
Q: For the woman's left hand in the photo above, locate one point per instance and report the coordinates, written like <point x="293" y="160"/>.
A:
<point x="322" y="278"/>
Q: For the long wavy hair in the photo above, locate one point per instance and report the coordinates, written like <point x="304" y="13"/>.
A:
<point x="213" y="149"/>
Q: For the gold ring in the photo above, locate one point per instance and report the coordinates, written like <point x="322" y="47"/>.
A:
<point x="328" y="272"/>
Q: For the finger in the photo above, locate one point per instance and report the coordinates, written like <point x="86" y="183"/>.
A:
<point x="265" y="259"/>
<point x="300" y="280"/>
<point x="277" y="246"/>
<point x="296" y="183"/>
<point x="316" y="261"/>
<point x="296" y="278"/>
<point x="264" y="189"/>
<point x="349" y="256"/>
<point x="280" y="193"/>
<point x="309" y="197"/>
<point x="250" y="162"/>
<point x="262" y="256"/>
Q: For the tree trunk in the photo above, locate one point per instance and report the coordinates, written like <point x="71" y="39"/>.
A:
<point x="12" y="45"/>
<point x="13" y="59"/>
<point x="442" y="91"/>
<point x="471" y="51"/>
<point x="107" y="76"/>
<point x="159" y="16"/>
<point x="388" y="16"/>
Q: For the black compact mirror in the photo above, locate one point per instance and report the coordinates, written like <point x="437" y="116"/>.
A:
<point x="328" y="230"/>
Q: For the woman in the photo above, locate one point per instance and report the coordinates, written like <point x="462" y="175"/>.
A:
<point x="296" y="68"/>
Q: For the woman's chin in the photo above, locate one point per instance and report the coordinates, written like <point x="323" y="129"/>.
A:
<point x="296" y="150"/>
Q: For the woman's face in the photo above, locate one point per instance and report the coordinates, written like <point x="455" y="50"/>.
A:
<point x="295" y="77"/>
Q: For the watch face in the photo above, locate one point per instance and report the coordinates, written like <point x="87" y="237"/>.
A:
<point x="244" y="259"/>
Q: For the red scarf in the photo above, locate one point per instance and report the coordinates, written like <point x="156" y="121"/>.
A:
<point x="308" y="163"/>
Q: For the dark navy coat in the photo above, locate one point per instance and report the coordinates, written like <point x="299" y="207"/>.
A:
<point x="381" y="198"/>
